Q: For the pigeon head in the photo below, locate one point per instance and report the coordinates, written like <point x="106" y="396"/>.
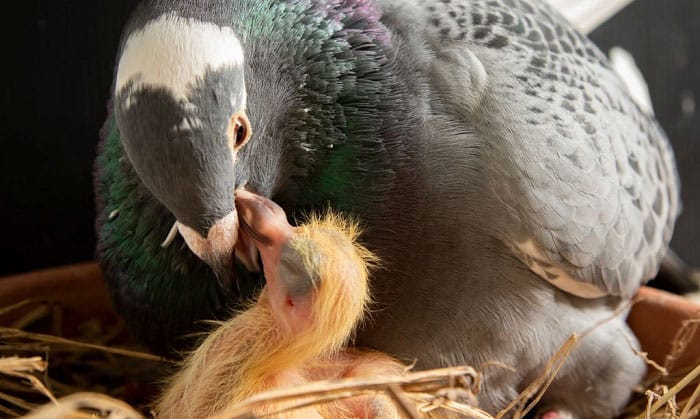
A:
<point x="180" y="105"/>
<point x="214" y="96"/>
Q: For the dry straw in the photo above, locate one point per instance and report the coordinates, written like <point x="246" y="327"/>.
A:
<point x="444" y="392"/>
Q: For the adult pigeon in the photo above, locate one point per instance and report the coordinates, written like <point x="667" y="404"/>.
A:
<point x="513" y="190"/>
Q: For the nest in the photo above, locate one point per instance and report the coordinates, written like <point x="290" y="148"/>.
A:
<point x="52" y="366"/>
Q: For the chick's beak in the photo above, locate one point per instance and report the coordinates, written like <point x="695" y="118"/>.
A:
<point x="263" y="227"/>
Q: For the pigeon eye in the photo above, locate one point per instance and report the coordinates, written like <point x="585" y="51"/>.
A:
<point x="239" y="130"/>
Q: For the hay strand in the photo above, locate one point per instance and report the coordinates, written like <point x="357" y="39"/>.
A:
<point x="668" y="396"/>
<point x="685" y="414"/>
<point x="86" y="405"/>
<point x="539" y="386"/>
<point x="22" y="368"/>
<point x="8" y="332"/>
<point x="394" y="391"/>
<point x="312" y="394"/>
<point x="679" y="344"/>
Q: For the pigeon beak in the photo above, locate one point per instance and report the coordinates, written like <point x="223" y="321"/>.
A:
<point x="217" y="249"/>
<point x="255" y="223"/>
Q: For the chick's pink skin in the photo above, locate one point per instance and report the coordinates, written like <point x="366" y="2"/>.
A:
<point x="267" y="233"/>
<point x="554" y="414"/>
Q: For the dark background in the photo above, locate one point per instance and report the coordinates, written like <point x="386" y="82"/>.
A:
<point x="54" y="102"/>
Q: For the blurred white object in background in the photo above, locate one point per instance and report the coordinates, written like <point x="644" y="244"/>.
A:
<point x="586" y="15"/>
<point x="624" y="65"/>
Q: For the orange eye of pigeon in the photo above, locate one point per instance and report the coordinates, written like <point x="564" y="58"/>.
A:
<point x="240" y="130"/>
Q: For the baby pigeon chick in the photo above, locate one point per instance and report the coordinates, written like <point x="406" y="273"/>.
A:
<point x="296" y="331"/>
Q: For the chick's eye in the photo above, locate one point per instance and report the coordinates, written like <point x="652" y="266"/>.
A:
<point x="241" y="130"/>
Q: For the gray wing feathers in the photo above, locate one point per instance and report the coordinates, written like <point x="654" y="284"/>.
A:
<point x="587" y="178"/>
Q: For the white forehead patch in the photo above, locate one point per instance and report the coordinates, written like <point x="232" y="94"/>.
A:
<point x="173" y="52"/>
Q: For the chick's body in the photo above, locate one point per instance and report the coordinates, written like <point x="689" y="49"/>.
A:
<point x="295" y="332"/>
